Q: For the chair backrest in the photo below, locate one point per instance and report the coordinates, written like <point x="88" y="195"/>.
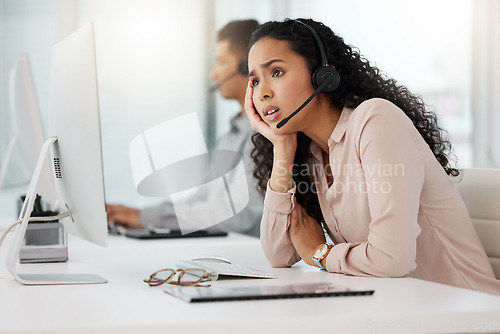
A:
<point x="480" y="190"/>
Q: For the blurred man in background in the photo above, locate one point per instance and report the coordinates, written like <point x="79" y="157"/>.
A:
<point x="231" y="76"/>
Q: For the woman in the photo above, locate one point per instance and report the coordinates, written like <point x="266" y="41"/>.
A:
<point x="367" y="163"/>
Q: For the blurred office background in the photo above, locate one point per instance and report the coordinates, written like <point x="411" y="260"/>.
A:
<point x="154" y="58"/>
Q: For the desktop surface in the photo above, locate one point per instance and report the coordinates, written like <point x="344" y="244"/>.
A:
<point x="127" y="305"/>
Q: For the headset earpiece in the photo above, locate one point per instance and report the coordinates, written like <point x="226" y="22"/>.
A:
<point x="326" y="73"/>
<point x="325" y="79"/>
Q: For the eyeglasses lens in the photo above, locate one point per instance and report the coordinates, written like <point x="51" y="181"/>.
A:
<point x="192" y="277"/>
<point x="161" y="276"/>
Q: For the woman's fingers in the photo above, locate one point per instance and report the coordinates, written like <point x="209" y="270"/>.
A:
<point x="255" y="120"/>
<point x="296" y="216"/>
<point x="298" y="208"/>
<point x="293" y="218"/>
<point x="252" y="114"/>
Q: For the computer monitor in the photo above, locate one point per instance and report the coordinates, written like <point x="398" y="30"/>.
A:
<point x="28" y="135"/>
<point x="74" y="147"/>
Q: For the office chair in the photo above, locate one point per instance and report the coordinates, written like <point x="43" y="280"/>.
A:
<point x="480" y="190"/>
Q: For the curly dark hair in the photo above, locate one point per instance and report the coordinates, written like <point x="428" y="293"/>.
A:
<point x="360" y="81"/>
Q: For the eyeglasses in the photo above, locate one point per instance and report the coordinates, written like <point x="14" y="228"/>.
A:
<point x="185" y="277"/>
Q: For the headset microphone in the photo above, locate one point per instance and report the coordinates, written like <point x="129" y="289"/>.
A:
<point x="223" y="81"/>
<point x="313" y="95"/>
<point x="325" y="79"/>
<point x="242" y="69"/>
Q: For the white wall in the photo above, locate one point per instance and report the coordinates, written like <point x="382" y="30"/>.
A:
<point x="151" y="67"/>
<point x="486" y="83"/>
<point x="423" y="44"/>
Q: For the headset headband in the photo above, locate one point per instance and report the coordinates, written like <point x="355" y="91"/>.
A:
<point x="324" y="60"/>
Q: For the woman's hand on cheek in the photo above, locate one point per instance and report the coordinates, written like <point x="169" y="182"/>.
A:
<point x="306" y="234"/>
<point x="262" y="127"/>
<point x="255" y="120"/>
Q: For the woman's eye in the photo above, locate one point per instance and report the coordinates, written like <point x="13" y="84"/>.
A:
<point x="277" y="73"/>
<point x="255" y="82"/>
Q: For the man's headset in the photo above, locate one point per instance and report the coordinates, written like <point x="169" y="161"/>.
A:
<point x="242" y="69"/>
<point x="325" y="79"/>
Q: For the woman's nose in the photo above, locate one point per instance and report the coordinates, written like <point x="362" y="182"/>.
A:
<point x="265" y="91"/>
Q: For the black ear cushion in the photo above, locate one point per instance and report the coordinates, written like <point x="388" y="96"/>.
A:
<point x="323" y="74"/>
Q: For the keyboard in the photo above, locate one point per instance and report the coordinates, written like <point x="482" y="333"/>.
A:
<point x="224" y="268"/>
<point x="167" y="233"/>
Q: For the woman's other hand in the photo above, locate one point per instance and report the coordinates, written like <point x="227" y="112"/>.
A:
<point x="306" y="233"/>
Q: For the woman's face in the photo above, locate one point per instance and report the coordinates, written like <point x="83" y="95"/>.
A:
<point x="281" y="83"/>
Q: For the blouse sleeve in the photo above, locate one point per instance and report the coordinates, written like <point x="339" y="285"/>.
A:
<point x="385" y="135"/>
<point x="274" y="228"/>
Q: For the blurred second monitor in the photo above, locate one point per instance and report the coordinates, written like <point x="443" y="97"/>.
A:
<point x="27" y="136"/>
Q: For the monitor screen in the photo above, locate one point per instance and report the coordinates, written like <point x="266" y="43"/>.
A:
<point x="74" y="150"/>
<point x="74" y="121"/>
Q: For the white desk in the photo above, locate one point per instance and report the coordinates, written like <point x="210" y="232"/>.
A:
<point x="127" y="305"/>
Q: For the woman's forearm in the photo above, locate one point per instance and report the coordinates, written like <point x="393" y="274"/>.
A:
<point x="281" y="175"/>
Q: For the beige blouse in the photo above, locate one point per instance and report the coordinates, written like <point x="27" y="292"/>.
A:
<point x="391" y="211"/>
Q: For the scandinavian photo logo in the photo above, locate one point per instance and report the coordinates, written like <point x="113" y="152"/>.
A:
<point x="171" y="159"/>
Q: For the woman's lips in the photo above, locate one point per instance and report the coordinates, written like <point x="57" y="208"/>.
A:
<point x="271" y="113"/>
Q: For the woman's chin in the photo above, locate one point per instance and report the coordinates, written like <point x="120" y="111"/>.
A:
<point x="282" y="130"/>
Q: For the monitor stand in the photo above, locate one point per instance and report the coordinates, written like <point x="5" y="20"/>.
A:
<point x="20" y="230"/>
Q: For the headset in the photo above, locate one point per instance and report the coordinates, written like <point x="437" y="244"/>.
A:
<point x="325" y="79"/>
<point x="242" y="69"/>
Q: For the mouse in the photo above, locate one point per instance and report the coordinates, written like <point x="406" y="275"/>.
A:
<point x="209" y="258"/>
